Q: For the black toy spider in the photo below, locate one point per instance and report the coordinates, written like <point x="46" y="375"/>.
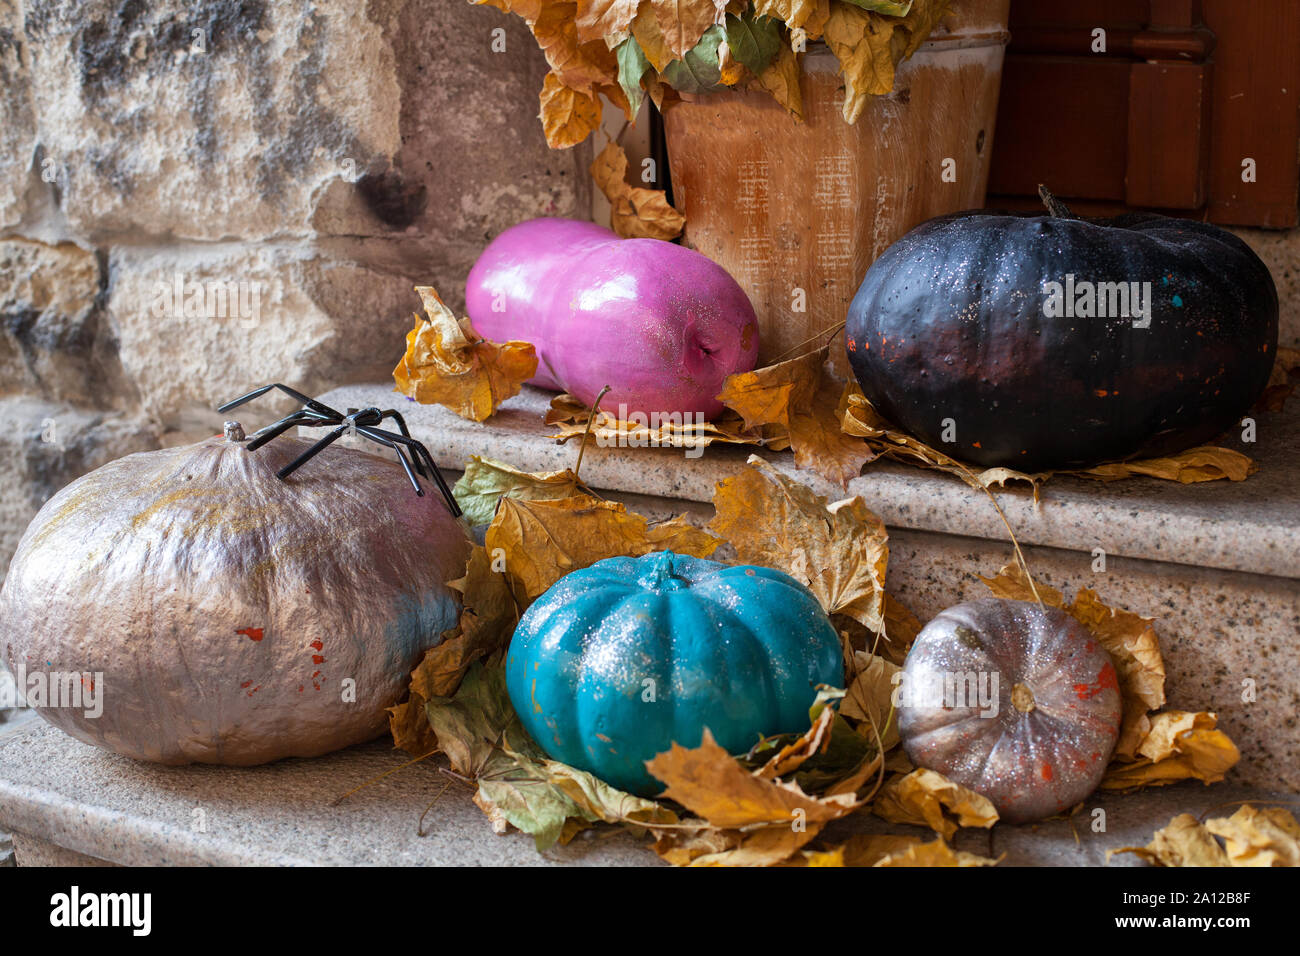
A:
<point x="362" y="421"/>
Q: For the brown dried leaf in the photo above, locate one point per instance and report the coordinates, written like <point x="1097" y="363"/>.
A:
<point x="485" y="482"/>
<point x="683" y="22"/>
<point x="608" y="431"/>
<point x="1133" y="647"/>
<point x="1280" y="386"/>
<point x="862" y="42"/>
<point x="807" y="15"/>
<point x="840" y="551"/>
<point x="580" y="66"/>
<point x="635" y="212"/>
<point x="778" y="818"/>
<point x="781" y="78"/>
<point x="645" y="29"/>
<point x="544" y="540"/>
<point x="881" y="849"/>
<point x="447" y="363"/>
<point x="870" y="696"/>
<point x="410" y="727"/>
<point x="1255" y="837"/>
<point x="1204" y="463"/>
<point x="1184" y="842"/>
<point x="922" y="796"/>
<point x="804" y="398"/>
<point x="568" y="116"/>
<point x="1180" y="746"/>
<point x="598" y="19"/>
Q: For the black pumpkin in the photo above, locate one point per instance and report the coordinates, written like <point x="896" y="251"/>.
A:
<point x="957" y="337"/>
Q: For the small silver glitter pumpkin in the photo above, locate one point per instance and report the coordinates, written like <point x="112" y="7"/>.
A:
<point x="1014" y="701"/>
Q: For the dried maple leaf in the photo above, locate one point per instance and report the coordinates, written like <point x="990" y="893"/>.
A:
<point x="485" y="482"/>
<point x="541" y="541"/>
<point x="1179" y="745"/>
<point x="840" y="551"/>
<point x="635" y="212"/>
<point x="802" y="397"/>
<point x="646" y="32"/>
<point x="775" y="818"/>
<point x="447" y="363"/>
<point x="581" y="66"/>
<point x="863" y="43"/>
<point x="809" y="16"/>
<point x="922" y="796"/>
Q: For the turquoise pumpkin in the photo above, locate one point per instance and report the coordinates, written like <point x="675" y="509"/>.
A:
<point x="618" y="661"/>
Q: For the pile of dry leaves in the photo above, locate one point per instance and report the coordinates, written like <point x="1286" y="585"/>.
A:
<point x="627" y="49"/>
<point x="771" y="805"/>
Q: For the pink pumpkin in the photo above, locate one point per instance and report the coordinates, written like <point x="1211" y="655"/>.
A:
<point x="660" y="324"/>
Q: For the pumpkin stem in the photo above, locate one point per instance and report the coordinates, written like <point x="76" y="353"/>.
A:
<point x="233" y="431"/>
<point x="1055" y="208"/>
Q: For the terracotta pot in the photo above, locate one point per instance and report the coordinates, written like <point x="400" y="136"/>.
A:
<point x="784" y="205"/>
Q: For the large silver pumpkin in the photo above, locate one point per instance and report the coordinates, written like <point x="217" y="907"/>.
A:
<point x="1014" y="701"/>
<point x="228" y="616"/>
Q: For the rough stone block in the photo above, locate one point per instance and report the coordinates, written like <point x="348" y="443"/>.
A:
<point x="270" y="119"/>
<point x="44" y="445"/>
<point x="53" y="340"/>
<point x="17" y="121"/>
<point x="200" y="326"/>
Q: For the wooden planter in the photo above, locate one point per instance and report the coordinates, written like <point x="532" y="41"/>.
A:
<point x="787" y="206"/>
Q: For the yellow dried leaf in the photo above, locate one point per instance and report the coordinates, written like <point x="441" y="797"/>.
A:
<point x="603" y="802"/>
<point x="1011" y="583"/>
<point x="840" y="551"/>
<point x="794" y="754"/>
<point x="579" y="66"/>
<point x="781" y="79"/>
<point x="568" y="116"/>
<point x="645" y="29"/>
<point x="801" y="396"/>
<point x="683" y="22"/>
<point x="598" y="19"/>
<point x="807" y="15"/>
<point x="731" y="71"/>
<point x="447" y="363"/>
<point x="862" y="42"/>
<point x="922" y="796"/>
<point x="572" y="415"/>
<point x="1184" y="842"/>
<point x="485" y="482"/>
<point x="1186" y="745"/>
<point x="934" y="853"/>
<point x="635" y="212"/>
<point x="882" y="849"/>
<point x="1204" y="463"/>
<point x="1255" y="837"/>
<point x="544" y="540"/>
<point x="1131" y="642"/>
<point x="778" y="818"/>
<point x="870" y="695"/>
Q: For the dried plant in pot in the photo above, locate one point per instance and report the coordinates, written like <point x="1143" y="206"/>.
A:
<point x="214" y="612"/>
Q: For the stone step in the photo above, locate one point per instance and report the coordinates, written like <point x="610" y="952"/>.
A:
<point x="71" y="804"/>
<point x="1215" y="563"/>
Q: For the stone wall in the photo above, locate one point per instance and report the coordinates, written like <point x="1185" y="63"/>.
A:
<point x="300" y="165"/>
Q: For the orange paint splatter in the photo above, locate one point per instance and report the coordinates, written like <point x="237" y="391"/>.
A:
<point x="316" y="644"/>
<point x="1107" y="679"/>
<point x="1047" y="771"/>
<point x="247" y="683"/>
<point x="317" y="659"/>
<point x="252" y="633"/>
<point x="977" y="444"/>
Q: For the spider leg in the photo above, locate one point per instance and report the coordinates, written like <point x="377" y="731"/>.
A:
<point x="307" y="401"/>
<point x="312" y="452"/>
<point x="303" y="416"/>
<point x="401" y="457"/>
<point x="424" y="462"/>
<point x="396" y="416"/>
